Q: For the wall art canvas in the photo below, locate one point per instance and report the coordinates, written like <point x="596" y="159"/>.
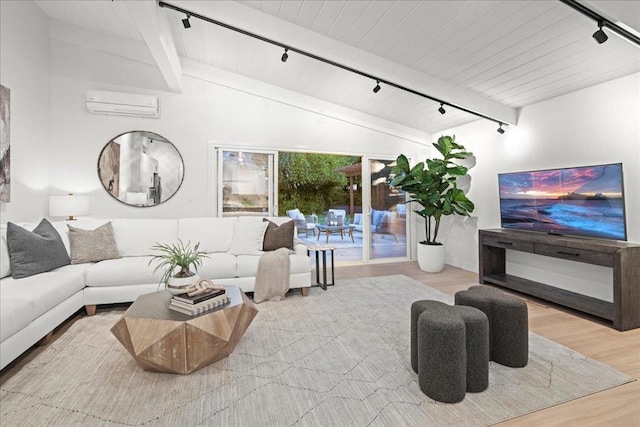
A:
<point x="5" y="146"/>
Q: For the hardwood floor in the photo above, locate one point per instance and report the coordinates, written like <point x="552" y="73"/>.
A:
<point x="590" y="336"/>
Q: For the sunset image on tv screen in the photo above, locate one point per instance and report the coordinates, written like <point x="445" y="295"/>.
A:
<point x="583" y="201"/>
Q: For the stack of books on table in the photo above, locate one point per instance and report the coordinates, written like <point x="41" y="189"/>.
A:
<point x="198" y="304"/>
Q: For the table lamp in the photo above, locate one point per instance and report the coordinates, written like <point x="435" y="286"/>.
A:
<point x="69" y="206"/>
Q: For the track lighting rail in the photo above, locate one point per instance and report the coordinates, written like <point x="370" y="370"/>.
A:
<point x="289" y="48"/>
<point x="602" y="21"/>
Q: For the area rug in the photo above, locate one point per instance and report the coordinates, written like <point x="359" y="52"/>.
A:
<point x="335" y="358"/>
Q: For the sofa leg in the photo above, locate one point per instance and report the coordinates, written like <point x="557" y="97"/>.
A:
<point x="46" y="340"/>
<point x="305" y="291"/>
<point x="91" y="309"/>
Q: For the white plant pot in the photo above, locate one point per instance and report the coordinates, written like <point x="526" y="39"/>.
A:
<point x="431" y="258"/>
<point x="176" y="285"/>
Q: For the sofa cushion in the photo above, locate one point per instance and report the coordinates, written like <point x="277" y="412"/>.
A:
<point x="124" y="271"/>
<point x="4" y="256"/>
<point x="214" y="234"/>
<point x="218" y="266"/>
<point x="278" y="236"/>
<point x="92" y="245"/>
<point x="135" y="237"/>
<point x="15" y="315"/>
<point x="45" y="291"/>
<point x="37" y="251"/>
<point x="248" y="237"/>
<point x="248" y="264"/>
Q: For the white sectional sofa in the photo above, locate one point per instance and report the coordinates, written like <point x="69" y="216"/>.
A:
<point x="30" y="308"/>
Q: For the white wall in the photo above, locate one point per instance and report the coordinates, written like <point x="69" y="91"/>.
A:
<point x="24" y="69"/>
<point x="215" y="109"/>
<point x="600" y="124"/>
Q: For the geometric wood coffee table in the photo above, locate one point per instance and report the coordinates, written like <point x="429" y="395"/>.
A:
<point x="160" y="339"/>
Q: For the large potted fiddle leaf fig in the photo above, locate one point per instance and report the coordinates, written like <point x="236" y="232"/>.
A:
<point x="432" y="184"/>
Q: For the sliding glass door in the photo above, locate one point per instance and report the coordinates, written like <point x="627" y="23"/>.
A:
<point x="246" y="182"/>
<point x="386" y="233"/>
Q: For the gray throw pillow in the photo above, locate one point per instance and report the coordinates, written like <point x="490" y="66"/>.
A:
<point x="277" y="237"/>
<point x="37" y="251"/>
<point x="92" y="245"/>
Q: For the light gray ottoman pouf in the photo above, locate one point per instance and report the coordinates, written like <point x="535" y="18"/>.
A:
<point x="508" y="323"/>
<point x="449" y="350"/>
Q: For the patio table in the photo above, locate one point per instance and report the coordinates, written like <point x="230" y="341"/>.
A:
<point x="331" y="229"/>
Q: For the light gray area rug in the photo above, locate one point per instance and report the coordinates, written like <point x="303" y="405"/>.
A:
<point x="335" y="358"/>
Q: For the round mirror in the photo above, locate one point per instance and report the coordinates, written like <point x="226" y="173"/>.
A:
<point x="140" y="168"/>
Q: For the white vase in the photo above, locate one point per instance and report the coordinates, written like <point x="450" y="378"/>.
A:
<point x="176" y="285"/>
<point x="431" y="258"/>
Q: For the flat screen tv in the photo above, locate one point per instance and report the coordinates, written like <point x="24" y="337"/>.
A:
<point x="586" y="201"/>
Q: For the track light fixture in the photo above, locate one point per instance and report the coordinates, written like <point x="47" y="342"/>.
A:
<point x="500" y="130"/>
<point x="600" y="35"/>
<point x="313" y="56"/>
<point x="186" y="22"/>
<point x="603" y="22"/>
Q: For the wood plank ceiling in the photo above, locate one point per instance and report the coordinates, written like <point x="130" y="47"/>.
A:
<point x="513" y="52"/>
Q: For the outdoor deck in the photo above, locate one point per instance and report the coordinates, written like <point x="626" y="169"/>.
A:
<point x="348" y="252"/>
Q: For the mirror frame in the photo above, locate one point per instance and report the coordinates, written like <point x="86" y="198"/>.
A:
<point x="160" y="138"/>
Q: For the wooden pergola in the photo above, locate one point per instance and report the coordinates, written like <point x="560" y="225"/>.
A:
<point x="351" y="171"/>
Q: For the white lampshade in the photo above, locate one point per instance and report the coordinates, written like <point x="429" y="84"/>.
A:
<point x="69" y="206"/>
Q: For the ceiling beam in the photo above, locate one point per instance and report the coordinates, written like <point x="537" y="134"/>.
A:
<point x="288" y="34"/>
<point x="155" y="31"/>
<point x="101" y="41"/>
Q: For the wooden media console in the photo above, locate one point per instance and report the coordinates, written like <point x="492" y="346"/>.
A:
<point x="623" y="258"/>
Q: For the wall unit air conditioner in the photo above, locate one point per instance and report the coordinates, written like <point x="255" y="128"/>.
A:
<point x="123" y="104"/>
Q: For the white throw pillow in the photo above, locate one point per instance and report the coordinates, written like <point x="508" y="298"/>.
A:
<point x="214" y="234"/>
<point x="135" y="237"/>
<point x="248" y="237"/>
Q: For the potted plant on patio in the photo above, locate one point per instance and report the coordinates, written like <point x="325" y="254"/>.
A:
<point x="178" y="255"/>
<point x="432" y="184"/>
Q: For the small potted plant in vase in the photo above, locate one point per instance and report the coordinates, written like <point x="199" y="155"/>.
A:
<point x="433" y="185"/>
<point x="178" y="255"/>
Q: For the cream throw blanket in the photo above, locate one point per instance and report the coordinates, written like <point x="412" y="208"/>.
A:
<point x="272" y="277"/>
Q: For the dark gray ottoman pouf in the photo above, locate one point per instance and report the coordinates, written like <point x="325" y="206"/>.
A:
<point x="449" y="350"/>
<point x="508" y="323"/>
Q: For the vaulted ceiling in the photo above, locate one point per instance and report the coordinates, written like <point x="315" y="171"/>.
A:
<point x="488" y="56"/>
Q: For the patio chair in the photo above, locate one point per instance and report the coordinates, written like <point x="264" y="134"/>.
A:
<point x="339" y="215"/>
<point x="382" y="223"/>
<point x="357" y="222"/>
<point x="302" y="224"/>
